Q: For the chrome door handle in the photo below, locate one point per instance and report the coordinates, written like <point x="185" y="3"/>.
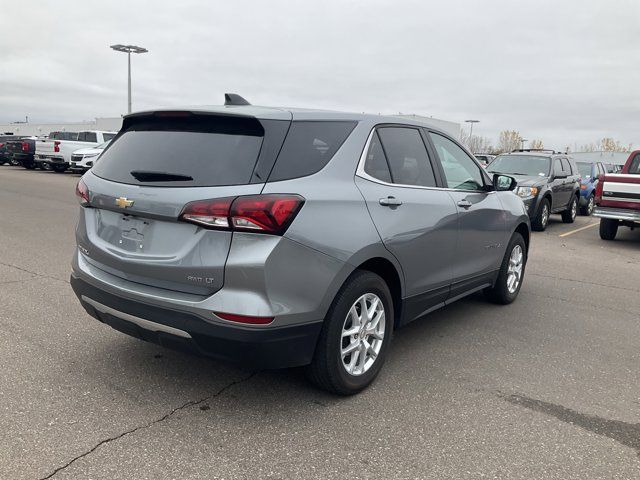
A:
<point x="390" y="202"/>
<point x="465" y="203"/>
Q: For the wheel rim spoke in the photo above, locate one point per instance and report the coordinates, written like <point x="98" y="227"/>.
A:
<point x="362" y="334"/>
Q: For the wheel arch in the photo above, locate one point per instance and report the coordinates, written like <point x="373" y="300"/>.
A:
<point x="523" y="229"/>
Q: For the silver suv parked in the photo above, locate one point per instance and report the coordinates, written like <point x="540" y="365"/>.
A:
<point x="282" y="238"/>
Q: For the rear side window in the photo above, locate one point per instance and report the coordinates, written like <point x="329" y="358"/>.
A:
<point x="376" y="163"/>
<point x="407" y="156"/>
<point x="308" y="148"/>
<point x="192" y="151"/>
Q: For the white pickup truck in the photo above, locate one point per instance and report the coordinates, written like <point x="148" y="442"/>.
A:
<point x="56" y="150"/>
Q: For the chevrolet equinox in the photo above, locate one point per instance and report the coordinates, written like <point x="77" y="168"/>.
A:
<point x="287" y="237"/>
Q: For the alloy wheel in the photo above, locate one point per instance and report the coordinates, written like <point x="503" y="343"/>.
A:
<point x="590" y="205"/>
<point x="545" y="215"/>
<point x="514" y="270"/>
<point x="574" y="209"/>
<point x="362" y="334"/>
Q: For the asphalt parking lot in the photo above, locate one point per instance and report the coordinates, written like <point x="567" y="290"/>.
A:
<point x="548" y="387"/>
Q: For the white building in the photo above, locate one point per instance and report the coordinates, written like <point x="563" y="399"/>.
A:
<point x="37" y="129"/>
<point x="616" y="158"/>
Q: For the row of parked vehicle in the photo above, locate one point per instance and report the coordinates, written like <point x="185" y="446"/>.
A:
<point x="58" y="151"/>
<point x="550" y="182"/>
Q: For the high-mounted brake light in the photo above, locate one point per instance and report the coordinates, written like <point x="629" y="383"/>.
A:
<point x="82" y="192"/>
<point x="232" y="317"/>
<point x="56" y="146"/>
<point x="271" y="213"/>
<point x="25" y="147"/>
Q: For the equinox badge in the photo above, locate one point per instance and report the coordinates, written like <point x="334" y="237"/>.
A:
<point x="122" y="202"/>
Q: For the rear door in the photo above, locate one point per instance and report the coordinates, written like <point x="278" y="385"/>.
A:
<point x="416" y="220"/>
<point x="155" y="166"/>
<point x="481" y="219"/>
<point x="559" y="185"/>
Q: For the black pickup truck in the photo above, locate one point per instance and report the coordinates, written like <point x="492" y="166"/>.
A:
<point x="5" y="155"/>
<point x="22" y="152"/>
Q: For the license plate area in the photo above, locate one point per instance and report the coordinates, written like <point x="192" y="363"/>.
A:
<point x="133" y="231"/>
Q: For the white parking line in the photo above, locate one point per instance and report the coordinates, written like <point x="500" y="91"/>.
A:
<point x="578" y="229"/>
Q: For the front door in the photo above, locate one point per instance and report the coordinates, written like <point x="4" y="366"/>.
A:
<point x="481" y="219"/>
<point x="417" y="221"/>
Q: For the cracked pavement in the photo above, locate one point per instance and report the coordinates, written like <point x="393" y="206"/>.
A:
<point x="548" y="387"/>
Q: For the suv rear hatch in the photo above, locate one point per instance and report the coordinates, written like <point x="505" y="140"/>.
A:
<point x="158" y="163"/>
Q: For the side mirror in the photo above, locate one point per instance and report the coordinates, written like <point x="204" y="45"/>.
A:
<point x="503" y="183"/>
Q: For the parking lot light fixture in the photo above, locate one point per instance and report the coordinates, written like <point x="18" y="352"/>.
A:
<point x="129" y="49"/>
<point x="471" y="122"/>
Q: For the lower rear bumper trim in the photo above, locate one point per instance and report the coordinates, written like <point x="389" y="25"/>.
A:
<point x="141" y="322"/>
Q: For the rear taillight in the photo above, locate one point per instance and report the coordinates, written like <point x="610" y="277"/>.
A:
<point x="56" y="146"/>
<point x="25" y="147"/>
<point x="599" y="189"/>
<point x="232" y="317"/>
<point x="271" y="213"/>
<point x="82" y="192"/>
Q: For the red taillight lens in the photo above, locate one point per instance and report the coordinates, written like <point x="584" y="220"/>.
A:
<point x="25" y="147"/>
<point x="267" y="213"/>
<point x="232" y="317"/>
<point x="56" y="146"/>
<point x="599" y="188"/>
<point x="271" y="213"/>
<point x="208" y="213"/>
<point x="82" y="192"/>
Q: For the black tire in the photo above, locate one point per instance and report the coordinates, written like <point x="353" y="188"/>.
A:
<point x="608" y="229"/>
<point x="541" y="220"/>
<point x="587" y="210"/>
<point x="29" y="165"/>
<point x="500" y="293"/>
<point x="570" y="214"/>
<point x="58" y="168"/>
<point x="327" y="370"/>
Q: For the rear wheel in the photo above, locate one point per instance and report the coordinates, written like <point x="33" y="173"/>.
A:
<point x="511" y="274"/>
<point x="14" y="162"/>
<point x="608" y="228"/>
<point x="59" y="168"/>
<point x="541" y="220"/>
<point x="569" y="215"/>
<point x="355" y="336"/>
<point x="588" y="208"/>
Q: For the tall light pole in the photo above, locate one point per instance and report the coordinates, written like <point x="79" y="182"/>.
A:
<point x="129" y="49"/>
<point x="471" y="130"/>
<point x="522" y="140"/>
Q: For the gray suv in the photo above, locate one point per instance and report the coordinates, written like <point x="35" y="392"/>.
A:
<point x="281" y="237"/>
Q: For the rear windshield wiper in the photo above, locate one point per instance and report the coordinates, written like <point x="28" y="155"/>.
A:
<point x="147" y="176"/>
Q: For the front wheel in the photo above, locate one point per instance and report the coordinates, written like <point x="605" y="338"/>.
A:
<point x="588" y="208"/>
<point x="541" y="220"/>
<point x="569" y="215"/>
<point x="59" y="168"/>
<point x="511" y="274"/>
<point x="356" y="334"/>
<point x="608" y="228"/>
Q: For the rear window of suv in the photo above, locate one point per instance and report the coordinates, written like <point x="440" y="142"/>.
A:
<point x="194" y="151"/>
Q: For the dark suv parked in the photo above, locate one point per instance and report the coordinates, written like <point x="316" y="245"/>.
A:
<point x="548" y="182"/>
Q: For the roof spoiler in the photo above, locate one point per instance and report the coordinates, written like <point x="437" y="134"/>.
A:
<point x="234" y="99"/>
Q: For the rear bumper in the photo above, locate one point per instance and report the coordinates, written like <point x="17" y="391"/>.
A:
<point x="265" y="348"/>
<point x="622" y="214"/>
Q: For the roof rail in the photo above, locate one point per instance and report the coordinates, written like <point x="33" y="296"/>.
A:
<point x="234" y="99"/>
<point x="548" y="150"/>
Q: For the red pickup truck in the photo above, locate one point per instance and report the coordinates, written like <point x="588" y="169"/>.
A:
<point x="618" y="198"/>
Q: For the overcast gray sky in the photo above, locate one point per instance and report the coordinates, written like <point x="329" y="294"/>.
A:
<point x="564" y="71"/>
